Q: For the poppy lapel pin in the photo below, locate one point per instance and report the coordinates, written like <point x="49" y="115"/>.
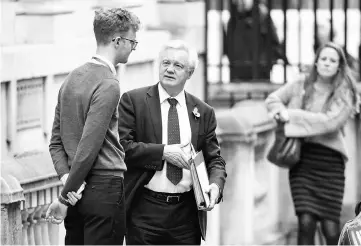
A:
<point x="196" y="113"/>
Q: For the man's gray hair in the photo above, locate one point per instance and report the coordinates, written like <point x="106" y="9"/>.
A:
<point x="182" y="45"/>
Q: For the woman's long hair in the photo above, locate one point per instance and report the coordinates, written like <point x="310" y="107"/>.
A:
<point x="341" y="81"/>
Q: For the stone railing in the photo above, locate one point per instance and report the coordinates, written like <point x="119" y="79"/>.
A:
<point x="254" y="192"/>
<point x="28" y="185"/>
<point x="257" y="199"/>
<point x="227" y="95"/>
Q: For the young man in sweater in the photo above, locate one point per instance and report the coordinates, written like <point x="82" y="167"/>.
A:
<point x="85" y="146"/>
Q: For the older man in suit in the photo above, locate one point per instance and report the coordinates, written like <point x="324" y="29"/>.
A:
<point x="156" y="125"/>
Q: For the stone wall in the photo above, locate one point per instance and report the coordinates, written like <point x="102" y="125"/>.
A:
<point x="41" y="42"/>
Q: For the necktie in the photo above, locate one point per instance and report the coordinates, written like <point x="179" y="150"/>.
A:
<point x="174" y="173"/>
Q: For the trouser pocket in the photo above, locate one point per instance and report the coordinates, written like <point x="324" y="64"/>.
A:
<point x="103" y="210"/>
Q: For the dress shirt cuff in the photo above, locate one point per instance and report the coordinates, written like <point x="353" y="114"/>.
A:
<point x="64" y="178"/>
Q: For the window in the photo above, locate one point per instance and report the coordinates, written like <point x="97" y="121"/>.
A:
<point x="5" y="109"/>
<point x="30" y="94"/>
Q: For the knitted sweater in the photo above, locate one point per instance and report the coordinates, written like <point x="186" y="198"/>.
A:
<point x="313" y="124"/>
<point x="85" y="136"/>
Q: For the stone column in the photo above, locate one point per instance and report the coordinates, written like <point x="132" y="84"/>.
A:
<point x="238" y="149"/>
<point x="11" y="197"/>
<point x="44" y="226"/>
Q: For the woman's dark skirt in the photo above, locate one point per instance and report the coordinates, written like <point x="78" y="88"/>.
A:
<point x="318" y="181"/>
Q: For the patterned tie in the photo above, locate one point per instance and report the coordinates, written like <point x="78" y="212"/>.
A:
<point x="174" y="173"/>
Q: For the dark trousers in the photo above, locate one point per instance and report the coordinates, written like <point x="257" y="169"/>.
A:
<point x="158" y="222"/>
<point x="99" y="217"/>
<point x="245" y="72"/>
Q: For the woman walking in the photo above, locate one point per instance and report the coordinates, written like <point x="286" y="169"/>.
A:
<point x="328" y="97"/>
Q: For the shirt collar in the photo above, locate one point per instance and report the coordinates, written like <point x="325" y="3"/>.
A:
<point x="107" y="62"/>
<point x="163" y="95"/>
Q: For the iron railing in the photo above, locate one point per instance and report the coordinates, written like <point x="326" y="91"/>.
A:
<point x="250" y="43"/>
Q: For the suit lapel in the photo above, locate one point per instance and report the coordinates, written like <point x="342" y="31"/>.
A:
<point x="155" y="112"/>
<point x="191" y="104"/>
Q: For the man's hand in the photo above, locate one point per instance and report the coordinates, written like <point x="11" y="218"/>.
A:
<point x="56" y="212"/>
<point x="74" y="197"/>
<point x="213" y="192"/>
<point x="174" y="154"/>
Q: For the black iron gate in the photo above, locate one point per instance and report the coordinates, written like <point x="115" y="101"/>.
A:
<point x="250" y="41"/>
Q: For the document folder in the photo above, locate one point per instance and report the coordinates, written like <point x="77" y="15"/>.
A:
<point x="200" y="179"/>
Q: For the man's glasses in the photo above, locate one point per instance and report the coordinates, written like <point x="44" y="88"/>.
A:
<point x="132" y="41"/>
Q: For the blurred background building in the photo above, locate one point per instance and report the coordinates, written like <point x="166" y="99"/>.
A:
<point x="43" y="40"/>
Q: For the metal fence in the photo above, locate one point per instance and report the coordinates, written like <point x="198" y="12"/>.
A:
<point x="275" y="40"/>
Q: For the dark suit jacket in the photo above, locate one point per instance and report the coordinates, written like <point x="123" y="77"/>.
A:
<point x="240" y="45"/>
<point x="358" y="208"/>
<point x="140" y="132"/>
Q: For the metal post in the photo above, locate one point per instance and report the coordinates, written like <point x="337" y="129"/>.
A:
<point x="206" y="4"/>
<point x="345" y="7"/>
<point x="299" y="7"/>
<point x="315" y="7"/>
<point x="256" y="31"/>
<point x="269" y="43"/>
<point x="359" y="48"/>
<point x="285" y="7"/>
<point x="331" y="20"/>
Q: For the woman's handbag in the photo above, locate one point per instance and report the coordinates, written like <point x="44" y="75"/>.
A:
<point x="285" y="151"/>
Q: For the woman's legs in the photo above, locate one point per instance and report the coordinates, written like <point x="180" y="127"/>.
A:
<point x="331" y="231"/>
<point x="306" y="229"/>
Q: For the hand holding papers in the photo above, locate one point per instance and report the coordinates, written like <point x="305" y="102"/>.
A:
<point x="199" y="179"/>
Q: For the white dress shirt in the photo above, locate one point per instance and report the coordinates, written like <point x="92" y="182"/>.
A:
<point x="160" y="182"/>
<point x="106" y="61"/>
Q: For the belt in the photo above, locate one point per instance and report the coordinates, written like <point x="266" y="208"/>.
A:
<point x="106" y="172"/>
<point x="104" y="179"/>
<point x="170" y="198"/>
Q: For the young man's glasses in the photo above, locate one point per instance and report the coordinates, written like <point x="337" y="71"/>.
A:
<point x="132" y="41"/>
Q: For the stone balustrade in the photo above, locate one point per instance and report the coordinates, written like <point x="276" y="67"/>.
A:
<point x="257" y="199"/>
<point x="251" y="194"/>
<point x="29" y="184"/>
